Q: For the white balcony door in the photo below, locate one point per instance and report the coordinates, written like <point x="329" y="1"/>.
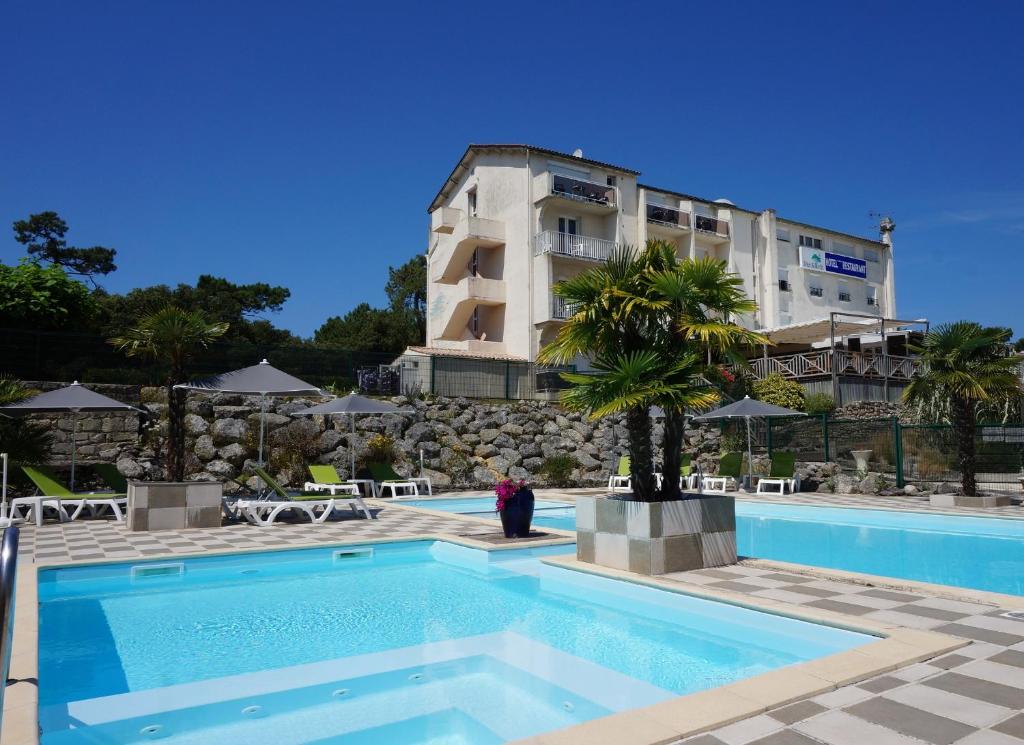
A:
<point x="568" y="229"/>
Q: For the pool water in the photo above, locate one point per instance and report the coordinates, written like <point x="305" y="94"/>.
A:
<point x="546" y="513"/>
<point x="419" y="642"/>
<point x="980" y="553"/>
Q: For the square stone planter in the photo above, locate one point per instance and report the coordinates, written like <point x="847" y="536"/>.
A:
<point x="696" y="532"/>
<point x="166" y="505"/>
<point x="958" y="500"/>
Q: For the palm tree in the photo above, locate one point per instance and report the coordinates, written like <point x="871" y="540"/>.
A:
<point x="24" y="441"/>
<point x="605" y="328"/>
<point x="699" y="299"/>
<point x="652" y="325"/>
<point x="173" y="336"/>
<point x="964" y="366"/>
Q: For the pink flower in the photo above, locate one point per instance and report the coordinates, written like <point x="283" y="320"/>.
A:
<point x="506" y="489"/>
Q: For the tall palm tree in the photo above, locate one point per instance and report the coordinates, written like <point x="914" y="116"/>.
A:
<point x="652" y="325"/>
<point x="700" y="300"/>
<point x="964" y="366"/>
<point x="173" y="336"/>
<point x="606" y="329"/>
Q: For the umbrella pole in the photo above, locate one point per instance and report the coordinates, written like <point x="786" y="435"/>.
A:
<point x="263" y="414"/>
<point x="3" y="502"/>
<point x="750" y="458"/>
<point x="352" y="447"/>
<point x="74" y="445"/>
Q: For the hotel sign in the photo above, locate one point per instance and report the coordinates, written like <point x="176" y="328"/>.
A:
<point x="822" y="261"/>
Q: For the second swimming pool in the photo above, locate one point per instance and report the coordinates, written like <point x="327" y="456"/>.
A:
<point x="981" y="553"/>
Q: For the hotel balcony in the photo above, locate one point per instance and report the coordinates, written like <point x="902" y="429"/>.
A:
<point x="561" y="309"/>
<point x="470" y="292"/>
<point x="444" y="219"/>
<point x="572" y="246"/>
<point x="711" y="229"/>
<point x="454" y="251"/>
<point x="586" y="196"/>
<point x="667" y="220"/>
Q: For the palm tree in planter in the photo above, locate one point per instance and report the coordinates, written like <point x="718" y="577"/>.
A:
<point x="173" y="336"/>
<point x="964" y="366"/>
<point x="698" y="300"/>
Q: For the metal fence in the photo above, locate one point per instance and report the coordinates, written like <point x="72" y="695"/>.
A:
<point x="909" y="452"/>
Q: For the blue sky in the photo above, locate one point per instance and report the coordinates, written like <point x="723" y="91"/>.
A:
<point x="300" y="143"/>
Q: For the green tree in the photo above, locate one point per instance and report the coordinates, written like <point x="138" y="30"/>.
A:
<point x="43" y="233"/>
<point x="1018" y="345"/>
<point x="24" y="441"/>
<point x="407" y="285"/>
<point x="651" y="325"/>
<point x="964" y="366"/>
<point x="366" y="329"/>
<point x="173" y="336"/>
<point x="43" y="298"/>
<point x="216" y="298"/>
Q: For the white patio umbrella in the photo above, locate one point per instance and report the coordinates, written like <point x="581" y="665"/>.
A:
<point x="263" y="380"/>
<point x="748" y="408"/>
<point x="352" y="404"/>
<point x="75" y="398"/>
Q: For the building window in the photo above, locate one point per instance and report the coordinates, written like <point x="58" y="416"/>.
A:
<point x="784" y="280"/>
<point x="816" y="290"/>
<point x="806" y="240"/>
<point x="844" y="293"/>
<point x="872" y="296"/>
<point x="568" y="225"/>
<point x="871" y="255"/>
<point x="782" y="234"/>
<point x="611" y="181"/>
<point x="471" y="202"/>
<point x="843" y="248"/>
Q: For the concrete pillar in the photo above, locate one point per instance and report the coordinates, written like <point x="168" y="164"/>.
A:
<point x="885" y="229"/>
<point x="769" y="271"/>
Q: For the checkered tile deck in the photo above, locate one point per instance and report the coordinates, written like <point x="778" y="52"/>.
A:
<point x="974" y="696"/>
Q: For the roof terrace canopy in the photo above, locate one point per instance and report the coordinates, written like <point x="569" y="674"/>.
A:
<point x="822" y="329"/>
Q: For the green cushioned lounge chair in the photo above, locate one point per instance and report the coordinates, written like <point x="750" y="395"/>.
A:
<point x="619" y="481"/>
<point x="113" y="478"/>
<point x="55" y="495"/>
<point x="782" y="474"/>
<point x="730" y="468"/>
<point x="263" y="512"/>
<point x="384" y="477"/>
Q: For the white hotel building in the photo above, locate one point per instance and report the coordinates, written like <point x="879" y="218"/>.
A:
<point x="512" y="220"/>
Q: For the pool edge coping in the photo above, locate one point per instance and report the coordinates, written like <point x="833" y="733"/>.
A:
<point x="657" y="724"/>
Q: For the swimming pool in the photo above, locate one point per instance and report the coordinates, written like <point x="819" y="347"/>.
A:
<point x="419" y="642"/>
<point x="547" y="513"/>
<point x="981" y="553"/>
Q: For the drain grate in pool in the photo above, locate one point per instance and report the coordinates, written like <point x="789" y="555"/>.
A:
<point x="1016" y="615"/>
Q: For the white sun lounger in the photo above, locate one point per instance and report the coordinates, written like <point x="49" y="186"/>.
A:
<point x="264" y="512"/>
<point x="93" y="504"/>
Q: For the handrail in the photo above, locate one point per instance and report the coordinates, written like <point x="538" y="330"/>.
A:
<point x="672" y="216"/>
<point x="809" y="364"/>
<point x="570" y="244"/>
<point x="8" y="575"/>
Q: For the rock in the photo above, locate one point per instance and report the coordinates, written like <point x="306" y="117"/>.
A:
<point x="485" y="450"/>
<point x="199" y="405"/>
<point x="846" y="484"/>
<point x="419" y="432"/>
<point x="498" y="465"/>
<point x="518" y="473"/>
<point x="511" y="455"/>
<point x="330" y="440"/>
<point x="233" y="454"/>
<point x="947" y="488"/>
<point x="221" y="469"/>
<point x="130" y="469"/>
<point x="437" y="478"/>
<point x="204" y="448"/>
<point x="533" y="464"/>
<point x="910" y="490"/>
<point x="271" y="421"/>
<point x="226" y="431"/>
<point x="489" y="435"/>
<point x="195" y="425"/>
<point x="868" y="485"/>
<point x="482" y="475"/>
<point x="504" y="441"/>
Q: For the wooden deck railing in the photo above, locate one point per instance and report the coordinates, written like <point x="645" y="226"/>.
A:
<point x="813" y="364"/>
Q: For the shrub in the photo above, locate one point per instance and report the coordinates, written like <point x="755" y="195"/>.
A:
<point x="557" y="469"/>
<point x="819" y="403"/>
<point x="381" y="449"/>
<point x="292" y="448"/>
<point x="778" y="391"/>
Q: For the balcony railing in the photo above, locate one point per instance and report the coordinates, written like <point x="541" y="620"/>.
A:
<point x="812" y="364"/>
<point x="668" y="216"/>
<point x="584" y="191"/>
<point x="710" y="225"/>
<point x="577" y="246"/>
<point x="561" y="309"/>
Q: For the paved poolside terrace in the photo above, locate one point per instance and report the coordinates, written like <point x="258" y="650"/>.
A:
<point x="972" y="696"/>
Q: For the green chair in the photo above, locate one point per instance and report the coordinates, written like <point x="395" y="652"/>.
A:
<point x="307" y="496"/>
<point x="54" y="494"/>
<point x="384" y="477"/>
<point x="730" y="468"/>
<point x="781" y="474"/>
<point x="620" y="481"/>
<point x="687" y="477"/>
<point x="113" y="478"/>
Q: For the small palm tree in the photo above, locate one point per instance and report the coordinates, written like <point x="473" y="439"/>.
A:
<point x="24" y="441"/>
<point x="964" y="366"/>
<point x="173" y="336"/>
